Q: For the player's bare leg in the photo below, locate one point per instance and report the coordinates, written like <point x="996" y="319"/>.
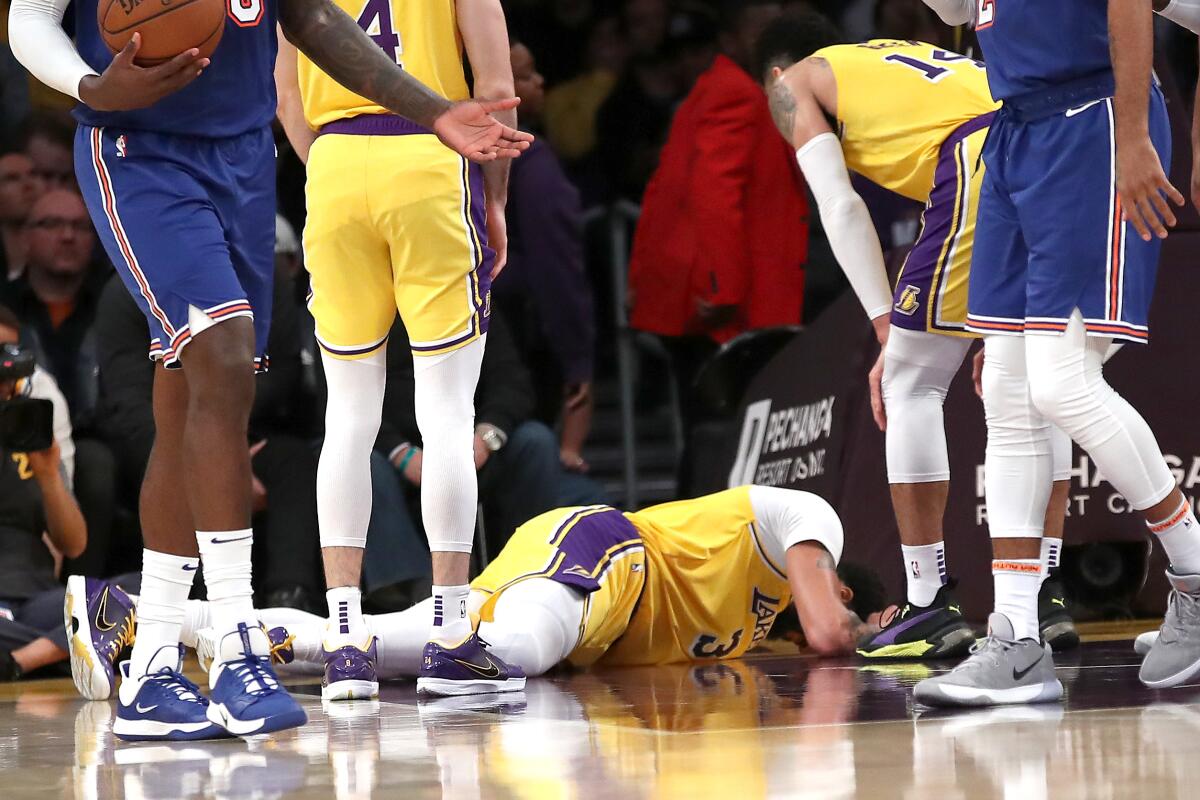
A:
<point x="352" y="418"/>
<point x="219" y="364"/>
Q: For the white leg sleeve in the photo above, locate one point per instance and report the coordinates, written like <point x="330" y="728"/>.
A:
<point x="352" y="417"/>
<point x="1061" y="452"/>
<point x="1067" y="383"/>
<point x="917" y="370"/>
<point x="445" y="404"/>
<point x="536" y="624"/>
<point x="1018" y="464"/>
<point x="1185" y="13"/>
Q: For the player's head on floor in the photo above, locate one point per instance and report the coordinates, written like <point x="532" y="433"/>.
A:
<point x="791" y="38"/>
<point x="861" y="590"/>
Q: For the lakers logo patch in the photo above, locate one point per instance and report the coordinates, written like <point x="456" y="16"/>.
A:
<point x="908" y="302"/>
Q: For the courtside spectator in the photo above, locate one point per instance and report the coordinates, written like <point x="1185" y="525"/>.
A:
<point x="545" y="289"/>
<point x="50" y="142"/>
<point x="722" y="240"/>
<point x="18" y="190"/>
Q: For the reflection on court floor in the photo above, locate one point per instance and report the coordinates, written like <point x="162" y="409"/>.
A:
<point x="762" y="727"/>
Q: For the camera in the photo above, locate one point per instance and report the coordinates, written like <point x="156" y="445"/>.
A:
<point x="26" y="424"/>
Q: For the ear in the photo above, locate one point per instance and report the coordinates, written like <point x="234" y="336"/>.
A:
<point x="776" y="72"/>
<point x="846" y="594"/>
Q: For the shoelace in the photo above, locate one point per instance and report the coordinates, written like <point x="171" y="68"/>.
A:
<point x="280" y="649"/>
<point x="176" y="684"/>
<point x="255" y="674"/>
<point x="987" y="652"/>
<point x="123" y="639"/>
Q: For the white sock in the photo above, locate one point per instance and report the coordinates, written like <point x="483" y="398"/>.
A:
<point x="196" y="618"/>
<point x="345" y="624"/>
<point x="1051" y="552"/>
<point x="1180" y="537"/>
<point x="166" y="583"/>
<point x="925" y="570"/>
<point x="1017" y="582"/>
<point x="227" y="571"/>
<point x="451" y="623"/>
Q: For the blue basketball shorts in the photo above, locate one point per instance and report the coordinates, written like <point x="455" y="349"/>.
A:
<point x="1050" y="238"/>
<point x="189" y="223"/>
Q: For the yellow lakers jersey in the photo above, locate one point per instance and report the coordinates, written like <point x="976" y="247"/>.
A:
<point x="422" y="37"/>
<point x="897" y="101"/>
<point x="710" y="590"/>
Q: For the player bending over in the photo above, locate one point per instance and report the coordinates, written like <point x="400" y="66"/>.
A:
<point x="398" y="222"/>
<point x="912" y="118"/>
<point x="693" y="580"/>
<point x="176" y="163"/>
<point x="1074" y="191"/>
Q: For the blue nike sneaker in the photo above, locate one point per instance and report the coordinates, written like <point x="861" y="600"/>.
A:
<point x="100" y="623"/>
<point x="350" y="672"/>
<point x="466" y="669"/>
<point x="246" y="696"/>
<point x="165" y="705"/>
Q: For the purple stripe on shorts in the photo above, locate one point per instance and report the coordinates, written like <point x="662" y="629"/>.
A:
<point x="375" y="125"/>
<point x="587" y="543"/>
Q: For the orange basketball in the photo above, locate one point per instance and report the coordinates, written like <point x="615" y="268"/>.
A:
<point x="168" y="27"/>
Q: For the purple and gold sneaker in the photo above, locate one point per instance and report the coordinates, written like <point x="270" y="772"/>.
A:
<point x="100" y="622"/>
<point x="350" y="672"/>
<point x="466" y="669"/>
<point x="935" y="631"/>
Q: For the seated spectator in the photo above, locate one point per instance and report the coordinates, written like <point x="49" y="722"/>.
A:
<point x="56" y="302"/>
<point x="545" y="285"/>
<point x="40" y="523"/>
<point x="286" y="566"/>
<point x="520" y="475"/>
<point x="572" y="106"/>
<point x="50" y="143"/>
<point x="18" y="190"/>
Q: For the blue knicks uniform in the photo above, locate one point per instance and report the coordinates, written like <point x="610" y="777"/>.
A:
<point x="182" y="193"/>
<point x="1050" y="238"/>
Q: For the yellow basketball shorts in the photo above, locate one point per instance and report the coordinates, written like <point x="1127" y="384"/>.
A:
<point x="395" y="223"/>
<point x="931" y="291"/>
<point x="592" y="548"/>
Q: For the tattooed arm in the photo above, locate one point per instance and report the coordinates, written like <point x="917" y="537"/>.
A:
<point x="829" y="627"/>
<point x="335" y="43"/>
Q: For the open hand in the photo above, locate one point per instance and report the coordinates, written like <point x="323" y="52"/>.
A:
<point x="468" y="128"/>
<point x="124" y="85"/>
<point x="1143" y="188"/>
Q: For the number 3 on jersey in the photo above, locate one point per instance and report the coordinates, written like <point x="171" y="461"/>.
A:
<point x="376" y="20"/>
<point x="986" y="14"/>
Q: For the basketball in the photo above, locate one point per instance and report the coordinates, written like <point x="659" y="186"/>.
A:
<point x="168" y="27"/>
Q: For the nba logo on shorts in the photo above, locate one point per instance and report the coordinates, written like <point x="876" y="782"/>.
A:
<point x="908" y="303"/>
<point x="121" y="146"/>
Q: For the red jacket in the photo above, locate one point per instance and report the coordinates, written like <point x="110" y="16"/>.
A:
<point x="724" y="218"/>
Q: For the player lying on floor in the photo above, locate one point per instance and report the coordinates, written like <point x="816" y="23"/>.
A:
<point x="693" y="580"/>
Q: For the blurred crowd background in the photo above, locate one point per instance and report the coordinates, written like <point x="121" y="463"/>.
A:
<point x="658" y="219"/>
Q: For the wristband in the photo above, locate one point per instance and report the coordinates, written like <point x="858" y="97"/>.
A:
<point x="406" y="458"/>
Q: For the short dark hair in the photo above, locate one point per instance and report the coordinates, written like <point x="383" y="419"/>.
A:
<point x="793" y="37"/>
<point x="869" y="594"/>
<point x="8" y="319"/>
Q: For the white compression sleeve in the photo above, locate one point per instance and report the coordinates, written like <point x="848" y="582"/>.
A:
<point x="535" y="625"/>
<point x="352" y="415"/>
<point x="953" y="12"/>
<point x="1183" y="12"/>
<point x="37" y="39"/>
<point x="785" y="517"/>
<point x="445" y="405"/>
<point x="918" y="368"/>
<point x="847" y="222"/>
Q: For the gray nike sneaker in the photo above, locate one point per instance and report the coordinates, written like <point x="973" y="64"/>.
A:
<point x="999" y="671"/>
<point x="1174" y="658"/>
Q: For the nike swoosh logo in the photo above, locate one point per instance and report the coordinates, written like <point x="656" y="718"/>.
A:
<point x="215" y="540"/>
<point x="190" y="567"/>
<point x="492" y="671"/>
<point x="102" y="623"/>
<point x="1018" y="674"/>
<point x="144" y="709"/>
<point x="1070" y="112"/>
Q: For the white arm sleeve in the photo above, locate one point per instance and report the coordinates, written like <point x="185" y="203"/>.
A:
<point x="37" y="39"/>
<point x="847" y="222"/>
<point x="1183" y="12"/>
<point x="786" y="517"/>
<point x="954" y="12"/>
